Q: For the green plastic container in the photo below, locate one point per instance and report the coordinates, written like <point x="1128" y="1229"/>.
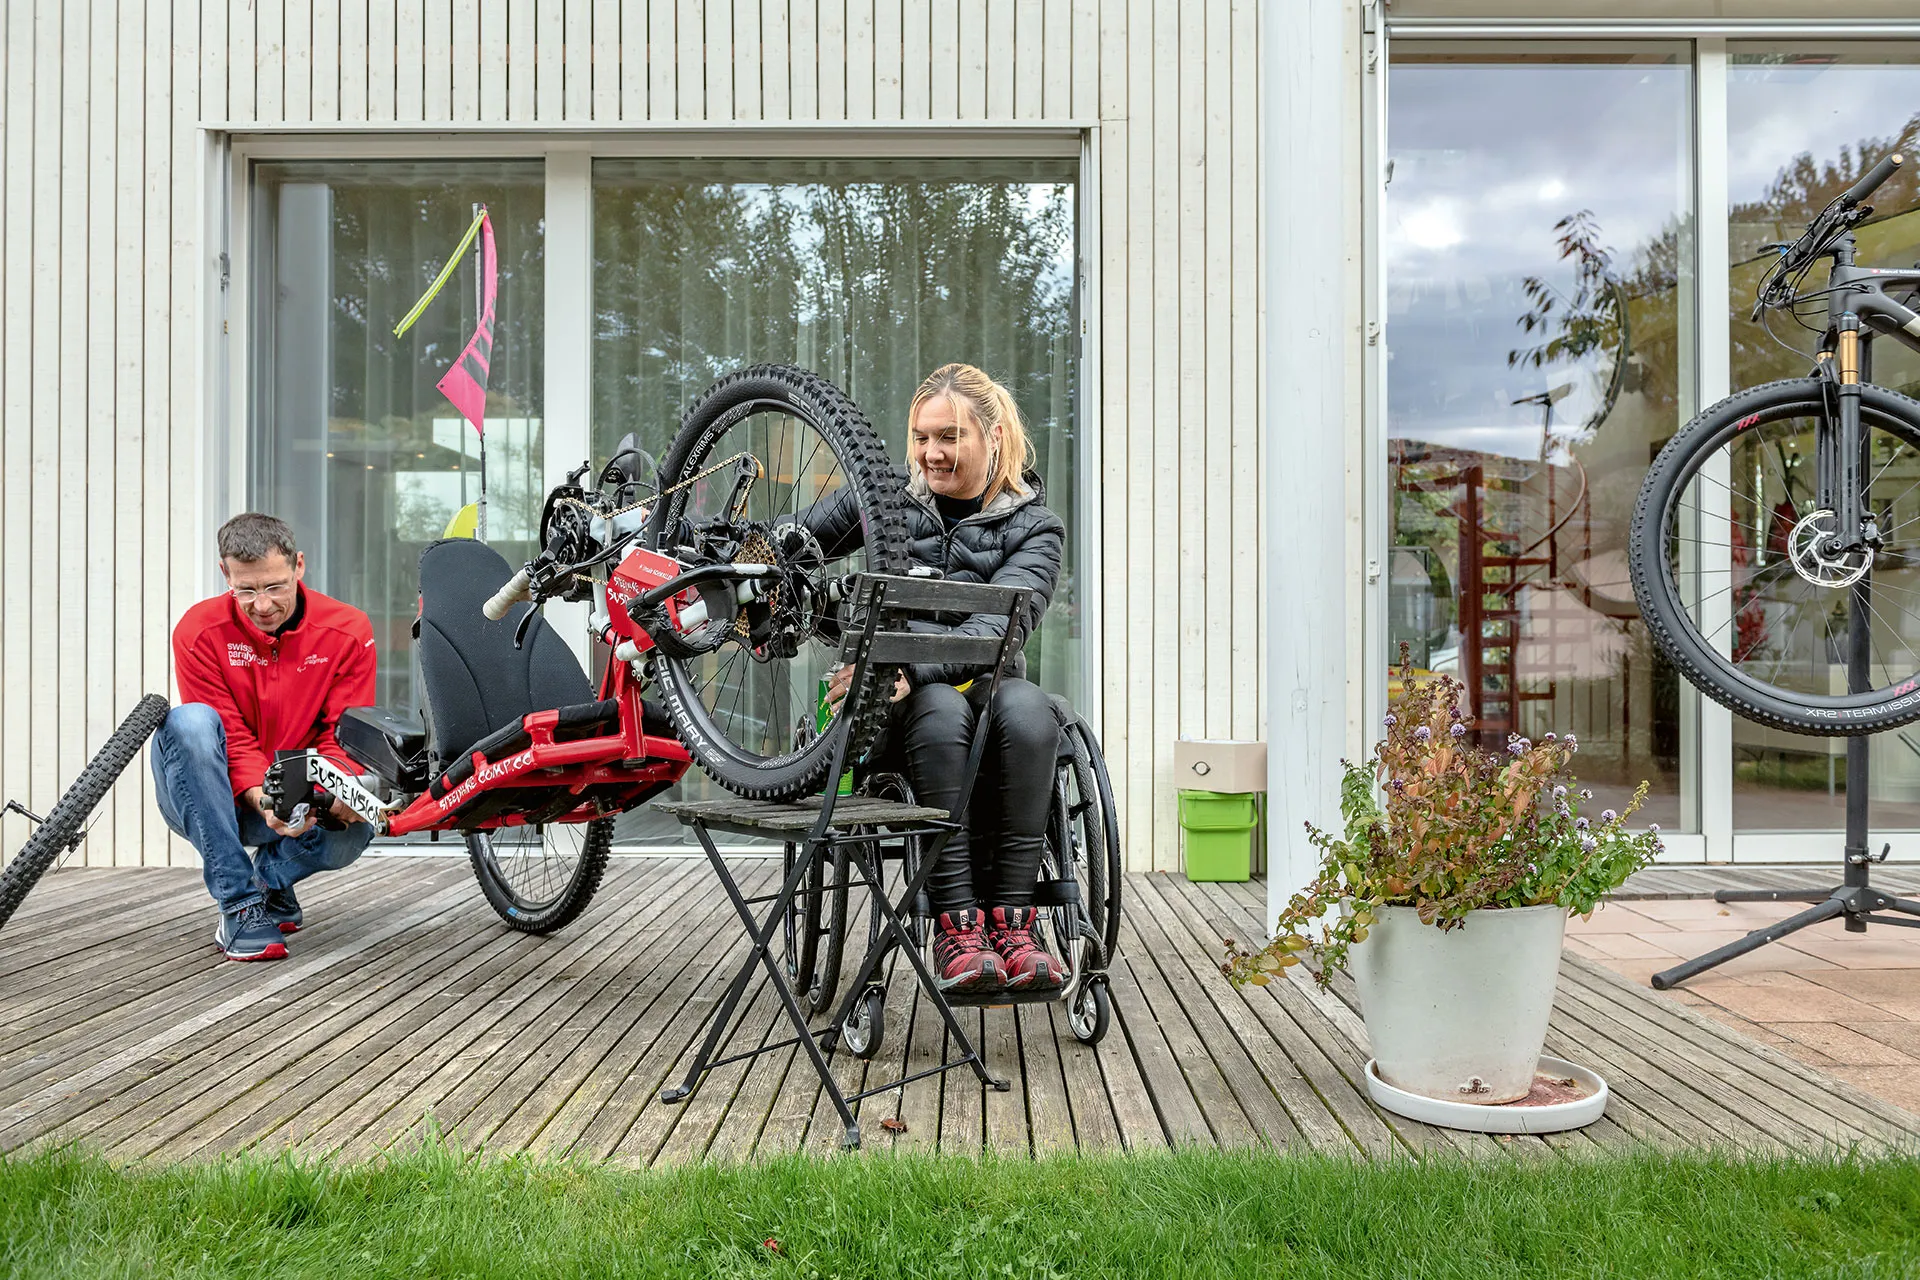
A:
<point x="1219" y="834"/>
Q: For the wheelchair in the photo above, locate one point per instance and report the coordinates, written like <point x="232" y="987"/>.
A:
<point x="1079" y="893"/>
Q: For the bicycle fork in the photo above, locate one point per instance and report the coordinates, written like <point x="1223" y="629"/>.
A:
<point x="1841" y="449"/>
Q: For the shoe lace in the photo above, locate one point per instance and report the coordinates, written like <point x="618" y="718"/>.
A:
<point x="252" y="914"/>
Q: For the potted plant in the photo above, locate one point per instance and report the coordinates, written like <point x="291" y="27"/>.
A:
<point x="1447" y="894"/>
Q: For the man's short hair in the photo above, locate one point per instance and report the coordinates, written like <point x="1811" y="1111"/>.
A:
<point x="250" y="536"/>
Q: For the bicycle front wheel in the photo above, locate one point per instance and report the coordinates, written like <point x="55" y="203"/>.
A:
<point x="539" y="878"/>
<point x="1738" y="580"/>
<point x="764" y="459"/>
<point x="62" y="828"/>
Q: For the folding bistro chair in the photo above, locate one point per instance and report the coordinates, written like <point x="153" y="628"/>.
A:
<point x="820" y="824"/>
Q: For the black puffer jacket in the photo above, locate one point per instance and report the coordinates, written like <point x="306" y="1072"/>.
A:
<point x="1015" y="541"/>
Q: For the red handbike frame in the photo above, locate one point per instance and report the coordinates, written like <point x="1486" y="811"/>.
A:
<point x="609" y="773"/>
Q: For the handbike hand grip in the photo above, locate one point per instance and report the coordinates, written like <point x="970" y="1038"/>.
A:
<point x="1860" y="190"/>
<point x="506" y="597"/>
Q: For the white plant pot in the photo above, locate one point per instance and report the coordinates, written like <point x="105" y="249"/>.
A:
<point x="1460" y="1014"/>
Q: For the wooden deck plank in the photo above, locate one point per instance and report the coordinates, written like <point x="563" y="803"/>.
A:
<point x="409" y="1064"/>
<point x="407" y="1000"/>
<point x="186" y="963"/>
<point x="1251" y="1086"/>
<point x="290" y="1106"/>
<point x="497" y="1060"/>
<point x="231" y="991"/>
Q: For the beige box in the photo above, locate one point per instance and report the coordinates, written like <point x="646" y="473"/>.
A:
<point x="1201" y="764"/>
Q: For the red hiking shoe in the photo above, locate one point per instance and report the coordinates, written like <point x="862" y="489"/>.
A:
<point x="1029" y="966"/>
<point x="963" y="959"/>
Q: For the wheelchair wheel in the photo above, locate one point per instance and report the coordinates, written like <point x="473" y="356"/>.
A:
<point x="61" y="831"/>
<point x="1085" y="827"/>
<point x="538" y="878"/>
<point x="817" y="915"/>
<point x="768" y="462"/>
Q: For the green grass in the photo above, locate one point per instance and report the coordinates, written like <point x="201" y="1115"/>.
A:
<point x="434" y="1213"/>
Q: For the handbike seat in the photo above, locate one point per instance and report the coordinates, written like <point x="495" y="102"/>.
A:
<point x="391" y="743"/>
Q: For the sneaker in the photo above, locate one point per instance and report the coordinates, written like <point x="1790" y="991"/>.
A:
<point x="963" y="960"/>
<point x="1029" y="966"/>
<point x="250" y="934"/>
<point x="284" y="910"/>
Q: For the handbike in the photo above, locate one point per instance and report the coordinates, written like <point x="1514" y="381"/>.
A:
<point x="1772" y="512"/>
<point x="704" y="585"/>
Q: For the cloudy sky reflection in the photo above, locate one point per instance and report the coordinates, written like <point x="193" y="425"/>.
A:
<point x="1487" y="158"/>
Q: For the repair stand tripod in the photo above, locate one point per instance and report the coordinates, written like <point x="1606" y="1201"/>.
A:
<point x="1854" y="897"/>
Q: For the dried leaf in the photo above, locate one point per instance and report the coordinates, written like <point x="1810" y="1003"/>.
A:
<point x="772" y="1244"/>
<point x="894" y="1124"/>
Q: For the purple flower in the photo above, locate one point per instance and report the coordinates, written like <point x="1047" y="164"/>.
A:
<point x="1608" y="815"/>
<point x="1391" y="721"/>
<point x="1559" y="793"/>
<point x="1655" y="828"/>
<point x="1551" y="737"/>
<point x="1586" y="794"/>
<point x="1581" y="823"/>
<point x="1456" y="714"/>
<point x="1422" y="733"/>
<point x="1459" y="731"/>
<point x="1588" y="844"/>
<point x="1572" y="741"/>
<point x="1514" y="748"/>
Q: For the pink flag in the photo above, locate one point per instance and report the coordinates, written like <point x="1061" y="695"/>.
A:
<point x="465" y="384"/>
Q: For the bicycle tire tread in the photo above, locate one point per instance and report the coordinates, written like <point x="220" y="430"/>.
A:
<point x="64" y="819"/>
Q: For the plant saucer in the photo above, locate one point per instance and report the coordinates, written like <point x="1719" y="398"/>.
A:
<point x="1509" y="1117"/>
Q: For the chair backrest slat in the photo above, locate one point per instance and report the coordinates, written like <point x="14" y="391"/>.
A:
<point x="938" y="595"/>
<point x="890" y="647"/>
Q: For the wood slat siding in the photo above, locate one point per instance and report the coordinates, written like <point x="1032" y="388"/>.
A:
<point x="108" y="258"/>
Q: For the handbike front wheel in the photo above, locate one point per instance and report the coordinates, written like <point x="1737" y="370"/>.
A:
<point x="63" y="825"/>
<point x="1739" y="580"/>
<point x="538" y="878"/>
<point x="746" y="710"/>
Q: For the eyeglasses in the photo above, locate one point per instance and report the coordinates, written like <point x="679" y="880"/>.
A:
<point x="273" y="591"/>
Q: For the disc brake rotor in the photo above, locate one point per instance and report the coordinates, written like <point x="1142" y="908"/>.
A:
<point x="1806" y="547"/>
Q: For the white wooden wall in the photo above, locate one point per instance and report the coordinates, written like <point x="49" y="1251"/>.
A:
<point x="109" y="271"/>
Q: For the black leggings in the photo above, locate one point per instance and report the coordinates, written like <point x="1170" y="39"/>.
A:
<point x="1011" y="799"/>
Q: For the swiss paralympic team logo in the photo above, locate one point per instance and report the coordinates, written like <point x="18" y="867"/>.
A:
<point x="242" y="655"/>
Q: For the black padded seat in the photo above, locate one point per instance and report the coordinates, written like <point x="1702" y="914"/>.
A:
<point x="474" y="683"/>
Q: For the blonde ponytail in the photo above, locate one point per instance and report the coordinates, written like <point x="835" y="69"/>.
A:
<point x="990" y="406"/>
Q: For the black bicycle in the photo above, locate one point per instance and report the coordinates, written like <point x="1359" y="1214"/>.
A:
<point x="1774" y="510"/>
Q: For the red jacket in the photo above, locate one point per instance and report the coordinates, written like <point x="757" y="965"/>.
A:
<point x="275" y="692"/>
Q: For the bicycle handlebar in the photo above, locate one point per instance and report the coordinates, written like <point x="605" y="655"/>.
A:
<point x="506" y="597"/>
<point x="1871" y="180"/>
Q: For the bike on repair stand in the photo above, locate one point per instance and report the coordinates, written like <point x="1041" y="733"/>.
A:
<point x="1775" y="546"/>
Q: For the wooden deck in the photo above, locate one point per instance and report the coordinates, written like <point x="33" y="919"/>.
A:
<point x="406" y="1005"/>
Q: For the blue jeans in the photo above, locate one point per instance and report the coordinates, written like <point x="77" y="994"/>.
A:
<point x="197" y="802"/>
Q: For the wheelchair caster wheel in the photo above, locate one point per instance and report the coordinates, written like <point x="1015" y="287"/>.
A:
<point x="674" y="1094"/>
<point x="866" y="1026"/>
<point x="1092" y="1010"/>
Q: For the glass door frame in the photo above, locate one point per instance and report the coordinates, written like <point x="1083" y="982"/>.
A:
<point x="1707" y="765"/>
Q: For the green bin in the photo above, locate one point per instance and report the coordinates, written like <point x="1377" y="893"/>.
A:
<point x="1219" y="834"/>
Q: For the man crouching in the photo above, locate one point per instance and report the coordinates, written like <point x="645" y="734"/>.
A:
<point x="267" y="665"/>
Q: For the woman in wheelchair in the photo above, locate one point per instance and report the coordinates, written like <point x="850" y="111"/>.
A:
<point x="975" y="513"/>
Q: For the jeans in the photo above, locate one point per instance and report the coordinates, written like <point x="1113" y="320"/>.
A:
<point x="197" y="802"/>
<point x="1011" y="798"/>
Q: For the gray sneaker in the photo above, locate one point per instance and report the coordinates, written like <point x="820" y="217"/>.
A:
<point x="284" y="910"/>
<point x="249" y="934"/>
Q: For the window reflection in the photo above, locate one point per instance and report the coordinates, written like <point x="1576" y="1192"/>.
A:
<point x="1537" y="221"/>
<point x="352" y="443"/>
<point x="1803" y="124"/>
<point x="873" y="273"/>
